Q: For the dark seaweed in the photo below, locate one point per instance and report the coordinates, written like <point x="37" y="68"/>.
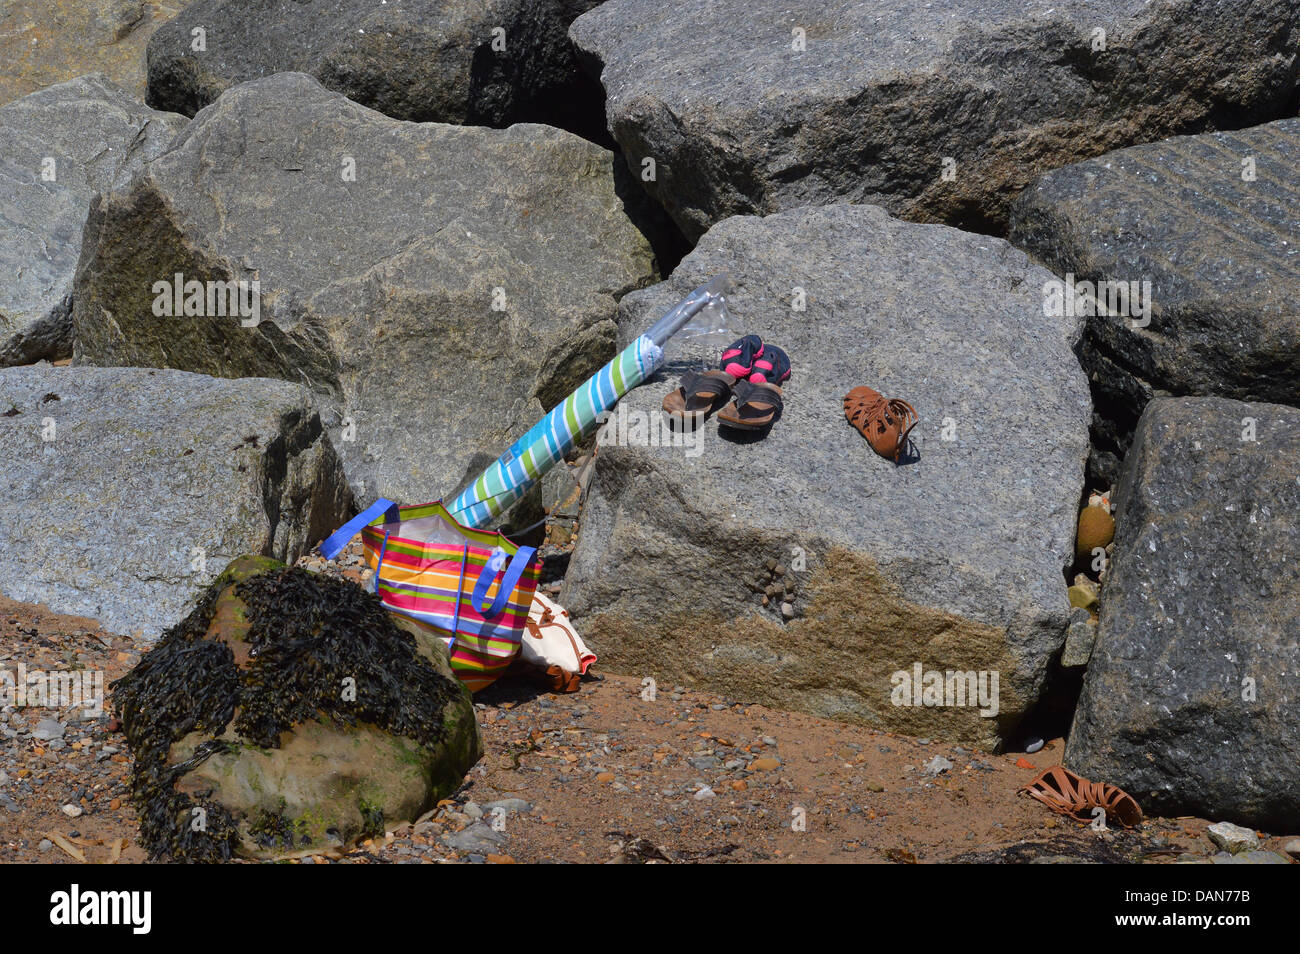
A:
<point x="308" y="633"/>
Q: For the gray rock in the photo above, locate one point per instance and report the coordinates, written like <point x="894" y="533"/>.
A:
<point x="1292" y="847"/>
<point x="1189" y="699"/>
<point x="508" y="805"/>
<point x="1079" y="639"/>
<point x="478" y="837"/>
<point x="149" y="483"/>
<point x="47" y="730"/>
<point x="413" y="59"/>
<point x="1250" y="858"/>
<point x="44" y="845"/>
<point x="377" y="293"/>
<point x="1221" y="255"/>
<point x="739" y="121"/>
<point x="937" y="766"/>
<point x="953" y="560"/>
<point x="88" y="134"/>
<point x="1232" y="838"/>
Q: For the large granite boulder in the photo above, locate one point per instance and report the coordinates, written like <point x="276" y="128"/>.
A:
<point x="438" y="286"/>
<point x="937" y="111"/>
<point x="43" y="42"/>
<point x="289" y="715"/>
<point x="62" y="146"/>
<point x="125" y="491"/>
<point x="952" y="561"/>
<point x="1191" y="697"/>
<point x="484" y="63"/>
<point x="1206" y="229"/>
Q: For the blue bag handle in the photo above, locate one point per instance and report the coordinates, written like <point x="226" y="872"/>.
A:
<point x="340" y="537"/>
<point x="508" y="583"/>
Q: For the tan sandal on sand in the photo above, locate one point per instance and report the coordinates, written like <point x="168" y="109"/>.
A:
<point x="1067" y="794"/>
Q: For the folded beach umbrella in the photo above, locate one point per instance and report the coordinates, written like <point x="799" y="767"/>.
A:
<point x="546" y="443"/>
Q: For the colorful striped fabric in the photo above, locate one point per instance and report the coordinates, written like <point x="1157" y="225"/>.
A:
<point x="551" y="438"/>
<point x="431" y="584"/>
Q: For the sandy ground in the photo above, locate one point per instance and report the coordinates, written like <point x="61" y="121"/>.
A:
<point x="597" y="776"/>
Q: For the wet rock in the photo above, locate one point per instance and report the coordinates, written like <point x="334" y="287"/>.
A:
<point x="125" y="491"/>
<point x="1210" y="222"/>
<point x="1189" y="699"/>
<point x="485" y="264"/>
<point x="62" y="146"/>
<point x="311" y="720"/>
<point x="887" y="578"/>
<point x="937" y="111"/>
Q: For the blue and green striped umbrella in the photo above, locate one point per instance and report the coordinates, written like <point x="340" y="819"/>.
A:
<point x="546" y="443"/>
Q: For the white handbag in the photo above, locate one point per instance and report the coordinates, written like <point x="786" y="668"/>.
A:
<point x="552" y="646"/>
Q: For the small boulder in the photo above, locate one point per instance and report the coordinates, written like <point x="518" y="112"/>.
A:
<point x="1096" y="530"/>
<point x="1232" y="838"/>
<point x="288" y="714"/>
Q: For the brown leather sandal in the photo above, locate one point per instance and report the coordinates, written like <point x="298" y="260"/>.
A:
<point x="1067" y="794"/>
<point x="885" y="424"/>
<point x="698" y="394"/>
<point x="755" y="407"/>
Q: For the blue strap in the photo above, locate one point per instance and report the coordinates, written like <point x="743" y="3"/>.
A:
<point x="340" y="537"/>
<point x="508" y="582"/>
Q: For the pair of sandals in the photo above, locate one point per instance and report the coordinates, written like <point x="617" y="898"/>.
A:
<point x="744" y="388"/>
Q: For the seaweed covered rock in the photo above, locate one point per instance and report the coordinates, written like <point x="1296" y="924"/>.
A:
<point x="288" y="714"/>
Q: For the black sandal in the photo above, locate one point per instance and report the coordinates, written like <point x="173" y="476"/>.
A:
<point x="755" y="408"/>
<point x="698" y="395"/>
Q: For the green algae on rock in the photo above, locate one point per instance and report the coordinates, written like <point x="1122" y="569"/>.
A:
<point x="288" y="714"/>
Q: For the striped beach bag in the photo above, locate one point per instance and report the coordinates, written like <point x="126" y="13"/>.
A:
<point x="472" y="588"/>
